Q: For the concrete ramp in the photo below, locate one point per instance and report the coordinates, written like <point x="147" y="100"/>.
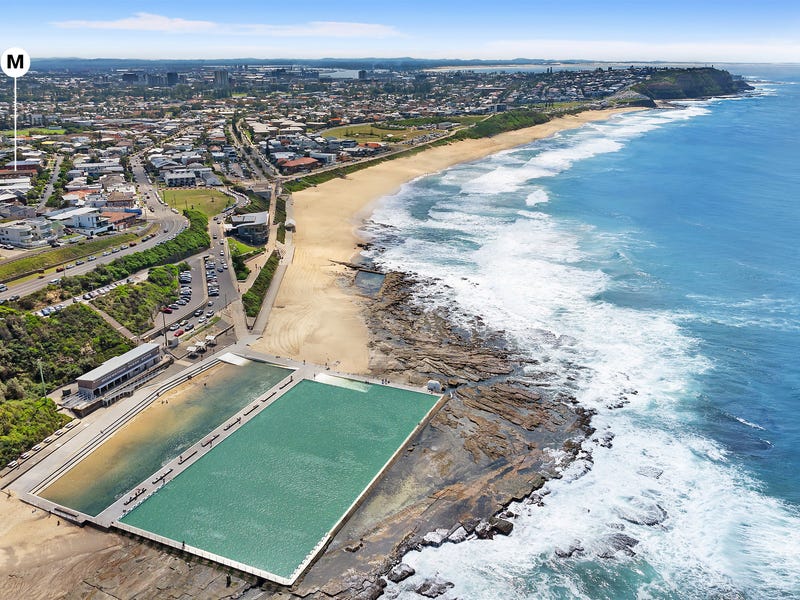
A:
<point x="342" y="382"/>
<point x="234" y="359"/>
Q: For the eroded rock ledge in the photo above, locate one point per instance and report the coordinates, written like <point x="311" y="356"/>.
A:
<point x="484" y="449"/>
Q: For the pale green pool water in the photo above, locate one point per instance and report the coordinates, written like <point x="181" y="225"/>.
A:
<point x="142" y="446"/>
<point x="270" y="492"/>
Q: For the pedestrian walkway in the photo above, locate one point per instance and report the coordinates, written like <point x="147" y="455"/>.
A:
<point x="177" y="465"/>
<point x="115" y="324"/>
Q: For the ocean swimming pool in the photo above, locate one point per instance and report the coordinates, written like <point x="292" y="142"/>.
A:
<point x="271" y="492"/>
<point x="160" y="433"/>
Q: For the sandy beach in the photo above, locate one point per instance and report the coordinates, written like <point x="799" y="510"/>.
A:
<point x="314" y="318"/>
<point x="31" y="542"/>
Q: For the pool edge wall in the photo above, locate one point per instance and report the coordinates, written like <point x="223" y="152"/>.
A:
<point x="324" y="541"/>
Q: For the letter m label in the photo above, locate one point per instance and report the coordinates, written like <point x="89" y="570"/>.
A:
<point x="15" y="63"/>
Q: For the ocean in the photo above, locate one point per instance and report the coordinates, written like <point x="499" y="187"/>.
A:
<point x="651" y="262"/>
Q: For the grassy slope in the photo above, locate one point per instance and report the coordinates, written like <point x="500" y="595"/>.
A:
<point x="68" y="344"/>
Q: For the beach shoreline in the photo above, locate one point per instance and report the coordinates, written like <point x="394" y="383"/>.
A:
<point x="314" y="318"/>
<point x="318" y="319"/>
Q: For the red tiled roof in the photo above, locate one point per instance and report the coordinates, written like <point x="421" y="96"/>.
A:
<point x="300" y="162"/>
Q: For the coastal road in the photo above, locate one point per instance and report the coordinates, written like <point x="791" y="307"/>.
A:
<point x="170" y="225"/>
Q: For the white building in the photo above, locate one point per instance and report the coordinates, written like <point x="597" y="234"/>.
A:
<point x="29" y="233"/>
<point x="86" y="220"/>
<point x="93" y="168"/>
<point x="180" y="179"/>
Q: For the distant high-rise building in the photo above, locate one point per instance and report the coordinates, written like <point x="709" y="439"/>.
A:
<point x="222" y="84"/>
<point x="130" y="77"/>
<point x="156" y="80"/>
<point x="172" y="78"/>
<point x="221" y="81"/>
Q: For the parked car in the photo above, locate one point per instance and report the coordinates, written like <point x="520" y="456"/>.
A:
<point x="179" y="333"/>
<point x="166" y="310"/>
<point x="198" y="312"/>
<point x="209" y="313"/>
<point x="174" y="327"/>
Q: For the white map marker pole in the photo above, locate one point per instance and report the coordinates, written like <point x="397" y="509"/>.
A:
<point x="15" y="63"/>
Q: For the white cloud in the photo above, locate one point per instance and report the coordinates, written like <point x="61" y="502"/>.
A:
<point x="613" y="50"/>
<point x="150" y="22"/>
<point x="143" y="22"/>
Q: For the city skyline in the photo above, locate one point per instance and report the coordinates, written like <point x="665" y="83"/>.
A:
<point x="614" y="31"/>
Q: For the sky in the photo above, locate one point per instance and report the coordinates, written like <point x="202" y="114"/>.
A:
<point x="613" y="30"/>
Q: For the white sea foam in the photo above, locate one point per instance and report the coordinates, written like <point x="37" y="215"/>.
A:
<point x="748" y="423"/>
<point x="537" y="196"/>
<point x="764" y="312"/>
<point x="713" y="532"/>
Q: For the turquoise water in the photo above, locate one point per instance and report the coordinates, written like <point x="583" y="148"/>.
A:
<point x="108" y="473"/>
<point x="268" y="494"/>
<point x="651" y="260"/>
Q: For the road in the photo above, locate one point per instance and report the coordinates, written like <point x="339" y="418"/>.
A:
<point x="48" y="191"/>
<point x="171" y="224"/>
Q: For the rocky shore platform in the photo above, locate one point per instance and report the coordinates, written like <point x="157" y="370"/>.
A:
<point x="490" y="444"/>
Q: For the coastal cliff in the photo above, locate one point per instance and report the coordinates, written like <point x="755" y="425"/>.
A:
<point x="684" y="84"/>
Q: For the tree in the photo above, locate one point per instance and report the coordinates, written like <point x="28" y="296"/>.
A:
<point x="14" y="389"/>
